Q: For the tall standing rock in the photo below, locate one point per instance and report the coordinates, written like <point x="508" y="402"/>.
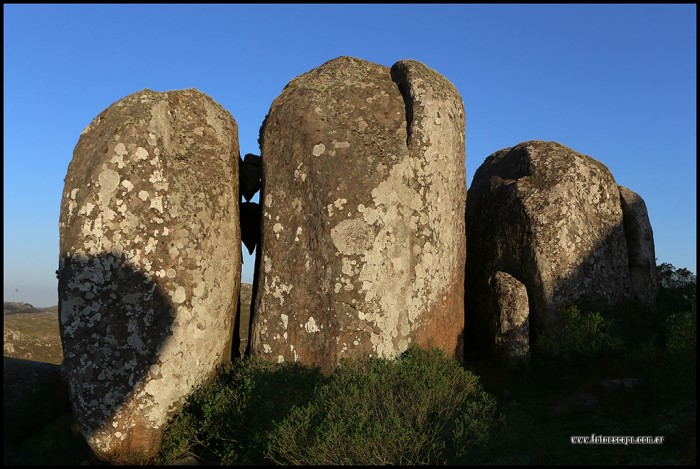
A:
<point x="640" y="244"/>
<point x="363" y="215"/>
<point x="150" y="259"/>
<point x="551" y="219"/>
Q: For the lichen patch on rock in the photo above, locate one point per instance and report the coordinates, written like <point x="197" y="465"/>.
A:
<point x="382" y="212"/>
<point x="551" y="219"/>
<point x="149" y="263"/>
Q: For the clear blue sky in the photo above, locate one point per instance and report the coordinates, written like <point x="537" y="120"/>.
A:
<point x="616" y="82"/>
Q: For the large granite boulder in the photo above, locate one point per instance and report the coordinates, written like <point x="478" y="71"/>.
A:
<point x="550" y="218"/>
<point x="640" y="245"/>
<point x="150" y="259"/>
<point x="363" y="215"/>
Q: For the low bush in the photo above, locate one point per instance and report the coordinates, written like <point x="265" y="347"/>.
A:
<point x="423" y="408"/>
<point x="227" y="419"/>
<point x="682" y="333"/>
<point x="578" y="338"/>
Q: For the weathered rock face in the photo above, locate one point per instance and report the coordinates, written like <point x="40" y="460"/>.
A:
<point x="640" y="244"/>
<point x="363" y="215"/>
<point x="511" y="325"/>
<point x="150" y="258"/>
<point x="550" y="218"/>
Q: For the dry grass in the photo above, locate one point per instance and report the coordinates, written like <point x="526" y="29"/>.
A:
<point x="33" y="336"/>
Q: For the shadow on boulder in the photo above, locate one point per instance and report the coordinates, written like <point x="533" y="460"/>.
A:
<point x="114" y="321"/>
<point x="552" y="225"/>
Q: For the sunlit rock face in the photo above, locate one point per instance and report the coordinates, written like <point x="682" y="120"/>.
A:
<point x="550" y="218"/>
<point x="363" y="202"/>
<point x="150" y="258"/>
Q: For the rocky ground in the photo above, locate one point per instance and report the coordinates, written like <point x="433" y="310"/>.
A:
<point x="31" y="333"/>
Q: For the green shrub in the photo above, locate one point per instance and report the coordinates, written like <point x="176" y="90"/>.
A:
<point x="577" y="338"/>
<point x="682" y="333"/>
<point x="677" y="290"/>
<point x="227" y="419"/>
<point x="423" y="408"/>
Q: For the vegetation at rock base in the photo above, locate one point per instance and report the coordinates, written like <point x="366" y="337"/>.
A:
<point x="580" y="337"/>
<point x="421" y="408"/>
<point x="614" y="370"/>
<point x="622" y="369"/>
<point x="227" y="419"/>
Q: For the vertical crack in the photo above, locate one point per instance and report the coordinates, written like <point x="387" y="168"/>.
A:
<point x="398" y="76"/>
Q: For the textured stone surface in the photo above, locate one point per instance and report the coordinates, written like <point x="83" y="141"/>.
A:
<point x="150" y="258"/>
<point x="551" y="218"/>
<point x="511" y="330"/>
<point x="363" y="215"/>
<point x="640" y="245"/>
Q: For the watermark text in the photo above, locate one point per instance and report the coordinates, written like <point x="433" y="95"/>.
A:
<point x="594" y="439"/>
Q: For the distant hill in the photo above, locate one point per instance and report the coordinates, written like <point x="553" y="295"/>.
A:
<point x="13" y="307"/>
<point x="18" y="307"/>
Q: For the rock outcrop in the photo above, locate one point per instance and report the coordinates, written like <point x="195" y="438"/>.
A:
<point x="640" y="245"/>
<point x="150" y="259"/>
<point x="363" y="215"/>
<point x="551" y="219"/>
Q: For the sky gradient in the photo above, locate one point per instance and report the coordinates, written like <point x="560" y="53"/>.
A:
<point x="615" y="82"/>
